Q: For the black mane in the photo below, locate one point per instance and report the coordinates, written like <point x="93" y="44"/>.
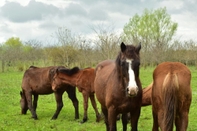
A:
<point x="69" y="72"/>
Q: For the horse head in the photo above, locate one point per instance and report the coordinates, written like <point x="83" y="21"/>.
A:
<point x="23" y="103"/>
<point x="128" y="62"/>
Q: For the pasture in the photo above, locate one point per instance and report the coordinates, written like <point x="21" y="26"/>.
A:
<point x="12" y="120"/>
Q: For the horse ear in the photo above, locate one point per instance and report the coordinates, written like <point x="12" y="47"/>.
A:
<point x="138" y="48"/>
<point x="123" y="47"/>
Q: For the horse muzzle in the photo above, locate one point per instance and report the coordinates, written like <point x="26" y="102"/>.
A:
<point x="132" y="91"/>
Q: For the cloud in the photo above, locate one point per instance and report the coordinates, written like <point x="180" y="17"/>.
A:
<point x="33" y="11"/>
<point x="75" y="9"/>
<point x="37" y="19"/>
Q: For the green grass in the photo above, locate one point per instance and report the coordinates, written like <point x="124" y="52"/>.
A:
<point x="12" y="120"/>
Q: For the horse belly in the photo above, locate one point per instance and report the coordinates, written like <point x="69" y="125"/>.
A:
<point x="43" y="90"/>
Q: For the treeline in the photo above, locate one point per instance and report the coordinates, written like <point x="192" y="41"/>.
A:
<point x="87" y="53"/>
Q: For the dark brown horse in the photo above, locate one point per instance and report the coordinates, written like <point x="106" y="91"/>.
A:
<point x="37" y="81"/>
<point x="83" y="79"/>
<point x="171" y="96"/>
<point x="118" y="88"/>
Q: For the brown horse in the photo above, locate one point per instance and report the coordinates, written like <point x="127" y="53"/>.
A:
<point x="171" y="96"/>
<point x="118" y="87"/>
<point x="147" y="93"/>
<point x="83" y="79"/>
<point x="37" y="81"/>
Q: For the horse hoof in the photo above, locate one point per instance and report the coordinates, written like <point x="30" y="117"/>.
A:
<point x="35" y="118"/>
<point x="83" y="121"/>
<point x="99" y="118"/>
<point x="53" y="118"/>
<point x="76" y="118"/>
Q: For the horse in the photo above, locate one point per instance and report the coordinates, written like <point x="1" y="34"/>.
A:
<point x="147" y="93"/>
<point x="37" y="81"/>
<point x="118" y="87"/>
<point x="83" y="79"/>
<point x="171" y="96"/>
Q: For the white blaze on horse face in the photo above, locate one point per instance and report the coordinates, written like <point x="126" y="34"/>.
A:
<point x="132" y="88"/>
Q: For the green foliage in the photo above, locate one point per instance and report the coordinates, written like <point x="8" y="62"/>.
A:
<point x="14" y="42"/>
<point x="152" y="27"/>
<point x="12" y="120"/>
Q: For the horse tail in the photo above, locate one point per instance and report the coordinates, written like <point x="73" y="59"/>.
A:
<point x="170" y="89"/>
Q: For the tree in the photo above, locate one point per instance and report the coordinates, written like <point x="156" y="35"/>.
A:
<point x="107" y="42"/>
<point x="154" y="29"/>
<point x="11" y="51"/>
<point x="32" y="51"/>
<point x="184" y="52"/>
<point x="66" y="46"/>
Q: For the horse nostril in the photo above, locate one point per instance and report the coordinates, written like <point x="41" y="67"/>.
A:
<point x="127" y="89"/>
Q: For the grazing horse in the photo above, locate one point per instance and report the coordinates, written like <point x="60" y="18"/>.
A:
<point x="37" y="81"/>
<point x="171" y="96"/>
<point x="118" y="87"/>
<point x="83" y="79"/>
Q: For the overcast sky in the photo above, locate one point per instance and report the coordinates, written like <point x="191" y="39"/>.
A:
<point x="40" y="19"/>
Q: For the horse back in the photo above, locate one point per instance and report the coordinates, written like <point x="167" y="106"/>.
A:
<point x="174" y="73"/>
<point x="38" y="80"/>
<point x="107" y="65"/>
<point x="104" y="70"/>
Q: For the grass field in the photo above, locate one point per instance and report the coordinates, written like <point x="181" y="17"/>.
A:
<point x="12" y="120"/>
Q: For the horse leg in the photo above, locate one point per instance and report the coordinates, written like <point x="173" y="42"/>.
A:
<point x="161" y="120"/>
<point x="134" y="118"/>
<point x="85" y="105"/>
<point x="35" y="102"/>
<point x="181" y="121"/>
<point x="155" y="121"/>
<point x="93" y="102"/>
<point x="72" y="95"/>
<point x="105" y="113"/>
<point x="124" y="121"/>
<point x="29" y="102"/>
<point x="58" y="97"/>
<point x="118" y="117"/>
<point x="112" y="116"/>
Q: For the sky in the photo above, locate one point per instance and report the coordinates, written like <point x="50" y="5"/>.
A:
<point x="40" y="19"/>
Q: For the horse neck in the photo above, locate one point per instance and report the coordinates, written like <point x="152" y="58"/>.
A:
<point x="72" y="80"/>
<point x="120" y="79"/>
